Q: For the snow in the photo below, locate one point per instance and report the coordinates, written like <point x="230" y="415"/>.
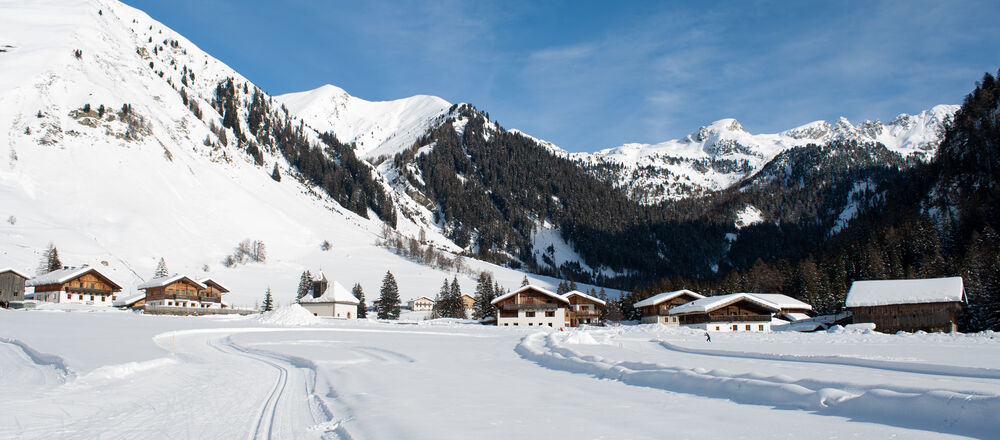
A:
<point x="163" y="281"/>
<point x="707" y="304"/>
<point x="526" y="288"/>
<point x="783" y="301"/>
<point x="750" y="215"/>
<point x="666" y="296"/>
<point x="14" y="271"/>
<point x="567" y="295"/>
<point x="335" y="293"/>
<point x="916" y="291"/>
<point x="367" y="379"/>
<point x="289" y="316"/>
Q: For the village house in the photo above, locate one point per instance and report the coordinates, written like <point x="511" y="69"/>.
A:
<point x="791" y="309"/>
<point x="422" y="304"/>
<point x="656" y="309"/>
<point x="178" y="291"/>
<point x="213" y="293"/>
<point x="469" y="304"/>
<point x="531" y="306"/>
<point x="335" y="302"/>
<point x="11" y="286"/>
<point x="735" y="312"/>
<point x="583" y="309"/>
<point x="931" y="305"/>
<point x="75" y="285"/>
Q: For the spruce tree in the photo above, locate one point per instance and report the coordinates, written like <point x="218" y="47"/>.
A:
<point x="563" y="287"/>
<point x="360" y="295"/>
<point x="524" y="281"/>
<point x="268" y="301"/>
<point x="388" y="300"/>
<point x="483" y="307"/>
<point x="50" y="260"/>
<point x="457" y="308"/>
<point x="305" y="285"/>
<point x="161" y="269"/>
<point x="276" y="175"/>
<point x="441" y="302"/>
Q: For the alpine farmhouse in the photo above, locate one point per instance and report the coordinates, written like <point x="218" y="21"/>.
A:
<point x="531" y="306"/>
<point x="931" y="305"/>
<point x="75" y="285"/>
<point x="583" y="309"/>
<point x="656" y="309"/>
<point x="735" y="312"/>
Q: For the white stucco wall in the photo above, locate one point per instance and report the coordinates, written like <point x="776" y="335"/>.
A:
<point x="727" y="327"/>
<point x="539" y="320"/>
<point x="655" y="319"/>
<point x="74" y="298"/>
<point x="335" y="310"/>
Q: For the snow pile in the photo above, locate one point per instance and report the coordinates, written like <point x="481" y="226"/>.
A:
<point x="290" y="316"/>
<point x="580" y="337"/>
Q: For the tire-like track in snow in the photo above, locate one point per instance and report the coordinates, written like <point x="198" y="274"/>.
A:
<point x="265" y="419"/>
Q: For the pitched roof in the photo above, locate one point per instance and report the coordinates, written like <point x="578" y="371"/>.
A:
<point x="338" y="294"/>
<point x="783" y="301"/>
<point x="163" y="281"/>
<point x="529" y="287"/>
<point x="124" y="302"/>
<point x="666" y="296"/>
<point x="220" y="287"/>
<point x="579" y="293"/>
<point x="422" y="297"/>
<point x="919" y="291"/>
<point x="711" y="303"/>
<point x="14" y="271"/>
<point x="63" y="275"/>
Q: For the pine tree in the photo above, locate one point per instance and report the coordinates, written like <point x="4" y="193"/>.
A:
<point x="50" y="260"/>
<point x="268" y="301"/>
<point x="360" y="295"/>
<point x="524" y="281"/>
<point x="161" y="269"/>
<point x="276" y="175"/>
<point x="388" y="300"/>
<point x="457" y="308"/>
<point x="563" y="287"/>
<point x="305" y="285"/>
<point x="441" y="302"/>
<point x="483" y="307"/>
<point x="571" y="286"/>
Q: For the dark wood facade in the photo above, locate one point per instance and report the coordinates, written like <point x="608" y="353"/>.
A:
<point x="89" y="287"/>
<point x="529" y="299"/>
<point x="740" y="311"/>
<point x="929" y="317"/>
<point x="11" y="287"/>
<point x="184" y="289"/>
<point x="663" y="308"/>
<point x="583" y="310"/>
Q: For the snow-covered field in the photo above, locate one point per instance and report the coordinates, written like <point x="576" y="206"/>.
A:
<point x="291" y="375"/>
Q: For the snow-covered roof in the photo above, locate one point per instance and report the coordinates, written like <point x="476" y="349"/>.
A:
<point x="711" y="303"/>
<point x="14" y="271"/>
<point x="422" y="297"/>
<point x="530" y="287"/>
<point x="63" y="275"/>
<point x="579" y="293"/>
<point x="337" y="294"/>
<point x="163" y="281"/>
<point x="795" y="317"/>
<point x="885" y="292"/>
<point x="783" y="301"/>
<point x="217" y="284"/>
<point x="665" y="296"/>
<point x="124" y="302"/>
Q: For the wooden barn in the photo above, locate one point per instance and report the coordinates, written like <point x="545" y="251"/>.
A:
<point x="75" y="285"/>
<point x="656" y="309"/>
<point x="931" y="305"/>
<point x="735" y="312"/>
<point x="11" y="286"/>
<point x="583" y="309"/>
<point x="531" y="306"/>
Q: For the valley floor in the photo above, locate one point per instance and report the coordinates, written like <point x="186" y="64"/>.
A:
<point x="121" y="375"/>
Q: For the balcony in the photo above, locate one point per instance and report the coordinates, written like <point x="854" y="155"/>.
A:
<point x="699" y="319"/>
<point x="530" y="306"/>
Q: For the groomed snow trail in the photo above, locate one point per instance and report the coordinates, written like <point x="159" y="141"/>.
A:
<point x="963" y="413"/>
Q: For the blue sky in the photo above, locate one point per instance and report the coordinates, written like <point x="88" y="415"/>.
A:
<point x="592" y="75"/>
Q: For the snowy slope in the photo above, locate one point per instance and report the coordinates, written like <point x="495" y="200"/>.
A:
<point x="121" y="195"/>
<point x="376" y="127"/>
<point x="722" y="153"/>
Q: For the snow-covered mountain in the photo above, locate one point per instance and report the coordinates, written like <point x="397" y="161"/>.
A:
<point x="720" y="154"/>
<point x="375" y="127"/>
<point x="117" y="147"/>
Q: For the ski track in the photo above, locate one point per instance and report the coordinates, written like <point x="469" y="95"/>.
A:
<point x="851" y="361"/>
<point x="947" y="411"/>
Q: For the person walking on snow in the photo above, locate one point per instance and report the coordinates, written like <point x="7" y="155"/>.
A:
<point x="708" y="337"/>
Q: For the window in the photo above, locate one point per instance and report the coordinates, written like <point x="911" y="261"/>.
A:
<point x="748" y="327"/>
<point x="716" y="328"/>
<point x="515" y="324"/>
<point x="550" y="313"/>
<point x="91" y="297"/>
<point x="530" y="314"/>
<point x="550" y="324"/>
<point x="760" y="327"/>
<point x="736" y="327"/>
<point x="531" y="324"/>
<point x="505" y="324"/>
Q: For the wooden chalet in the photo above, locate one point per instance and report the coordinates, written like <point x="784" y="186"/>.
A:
<point x="213" y="292"/>
<point x="75" y="285"/>
<point x="422" y="304"/>
<point x="531" y="306"/>
<point x="791" y="309"/>
<point x="11" y="286"/>
<point x="469" y="304"/>
<point x="583" y="309"/>
<point x="656" y="309"/>
<point x="735" y="312"/>
<point x="931" y="305"/>
<point x="178" y="291"/>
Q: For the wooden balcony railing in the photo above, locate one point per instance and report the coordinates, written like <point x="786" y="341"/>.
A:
<point x="530" y="306"/>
